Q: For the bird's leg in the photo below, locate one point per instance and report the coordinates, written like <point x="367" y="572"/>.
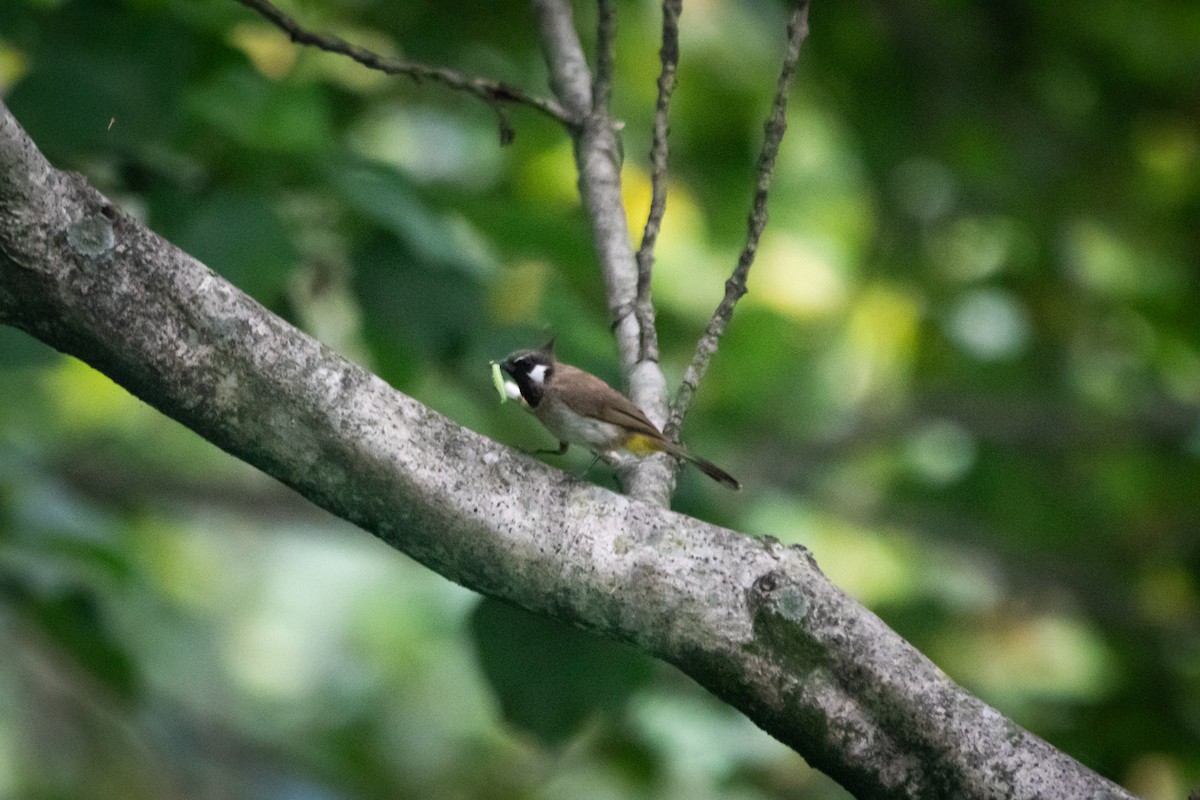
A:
<point x="595" y="461"/>
<point x="609" y="457"/>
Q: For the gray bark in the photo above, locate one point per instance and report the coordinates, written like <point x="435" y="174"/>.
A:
<point x="753" y="621"/>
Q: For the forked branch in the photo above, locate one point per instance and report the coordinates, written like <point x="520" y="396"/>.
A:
<point x="735" y="286"/>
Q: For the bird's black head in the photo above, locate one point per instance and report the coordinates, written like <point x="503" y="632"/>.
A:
<point x="531" y="371"/>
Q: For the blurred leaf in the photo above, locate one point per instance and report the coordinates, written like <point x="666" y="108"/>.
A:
<point x="239" y="235"/>
<point x="72" y="618"/>
<point x="550" y="679"/>
<point x="20" y="350"/>
<point x="386" y="198"/>
<point x="262" y="115"/>
<point x="407" y="304"/>
<point x="109" y="77"/>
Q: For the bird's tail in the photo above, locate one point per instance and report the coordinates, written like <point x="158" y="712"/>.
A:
<point x="716" y="473"/>
<point x="707" y="467"/>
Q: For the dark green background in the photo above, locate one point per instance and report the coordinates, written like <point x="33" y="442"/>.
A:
<point x="967" y="376"/>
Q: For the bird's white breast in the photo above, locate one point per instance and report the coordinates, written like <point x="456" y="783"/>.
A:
<point x="596" y="435"/>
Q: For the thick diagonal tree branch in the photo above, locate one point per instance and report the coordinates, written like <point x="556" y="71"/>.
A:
<point x="755" y="622"/>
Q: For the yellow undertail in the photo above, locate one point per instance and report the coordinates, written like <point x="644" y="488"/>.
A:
<point x="642" y="445"/>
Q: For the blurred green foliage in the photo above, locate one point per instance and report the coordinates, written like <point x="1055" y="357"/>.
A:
<point x="967" y="376"/>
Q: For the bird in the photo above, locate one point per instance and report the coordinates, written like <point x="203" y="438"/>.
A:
<point x="579" y="408"/>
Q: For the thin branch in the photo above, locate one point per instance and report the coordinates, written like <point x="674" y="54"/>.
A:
<point x="495" y="93"/>
<point x="735" y="286"/>
<point x="602" y="80"/>
<point x="669" y="55"/>
<point x="570" y="77"/>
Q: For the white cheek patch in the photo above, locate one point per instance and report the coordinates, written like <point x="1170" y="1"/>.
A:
<point x="538" y="374"/>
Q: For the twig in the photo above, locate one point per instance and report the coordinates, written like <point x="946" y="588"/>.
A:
<point x="602" y="79"/>
<point x="735" y="286"/>
<point x="669" y="54"/>
<point x="495" y="93"/>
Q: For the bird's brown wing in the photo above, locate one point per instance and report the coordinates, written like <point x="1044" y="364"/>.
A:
<point x="592" y="397"/>
<point x="628" y="415"/>
<point x="586" y="394"/>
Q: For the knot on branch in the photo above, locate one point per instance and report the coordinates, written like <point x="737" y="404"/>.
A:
<point x="92" y="235"/>
<point x="782" y="610"/>
<point x="776" y="594"/>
